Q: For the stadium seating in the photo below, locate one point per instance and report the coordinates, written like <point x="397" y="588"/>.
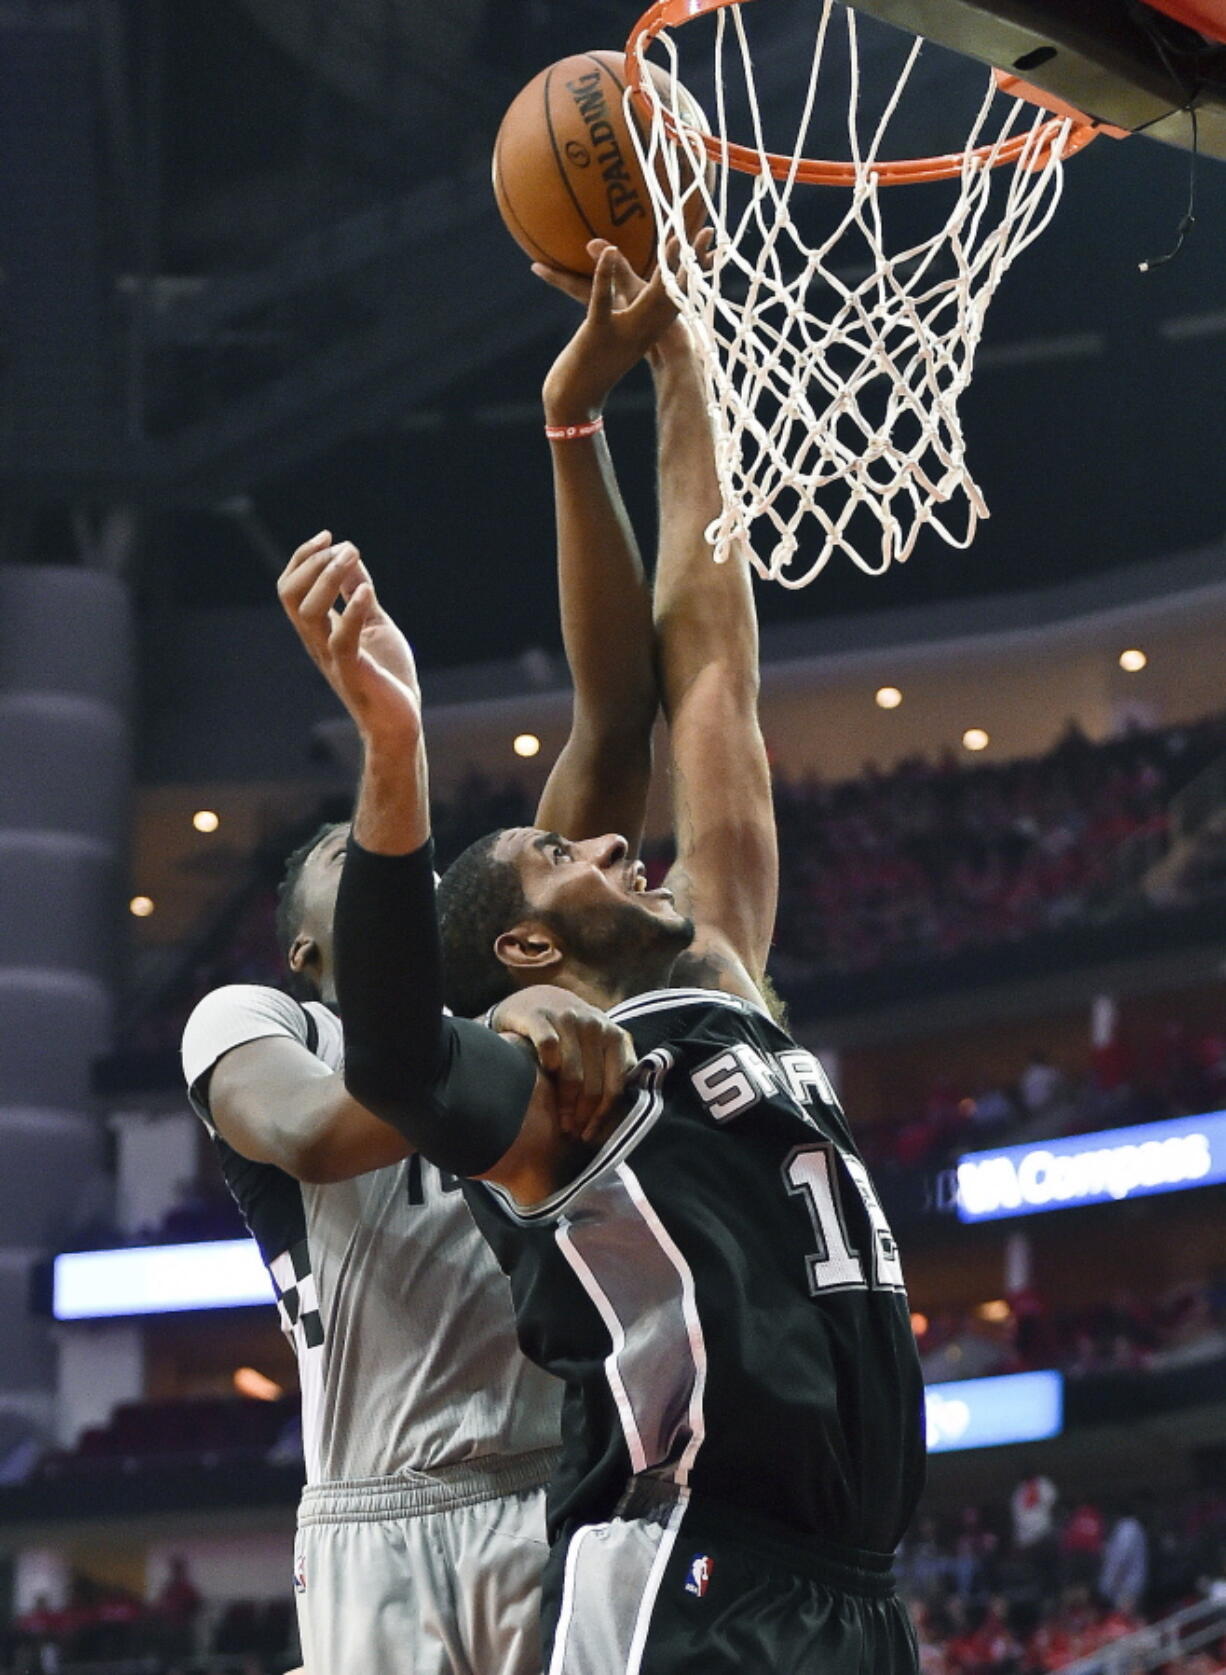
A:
<point x="887" y="871"/>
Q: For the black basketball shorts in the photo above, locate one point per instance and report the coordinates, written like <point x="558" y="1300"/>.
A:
<point x="681" y="1587"/>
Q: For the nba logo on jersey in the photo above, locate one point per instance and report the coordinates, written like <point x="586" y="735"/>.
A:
<point x="300" y="1573"/>
<point x="699" y="1578"/>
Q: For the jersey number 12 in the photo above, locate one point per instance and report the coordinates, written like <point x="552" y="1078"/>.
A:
<point x="835" y="1266"/>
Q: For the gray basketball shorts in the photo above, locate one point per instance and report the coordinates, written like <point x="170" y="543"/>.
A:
<point x="424" y="1574"/>
<point x="688" y="1589"/>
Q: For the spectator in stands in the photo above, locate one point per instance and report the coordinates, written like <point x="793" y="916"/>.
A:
<point x="1034" y="1335"/>
<point x="176" y="1609"/>
<point x="990" y="1110"/>
<point x="41" y="1628"/>
<point x="967" y="1347"/>
<point x="1043" y="1091"/>
<point x="1032" y="1507"/>
<point x="1057" y="1627"/>
<point x="923" y="862"/>
<point x="923" y="1566"/>
<point x="1068" y="1633"/>
<point x="1191" y="1331"/>
<point x="1124" y="1575"/>
<point x="1174" y="1574"/>
<point x="987" y="1646"/>
<point x="974" y="1549"/>
<point x="1185" y="1329"/>
<point x="1081" y="1544"/>
<point x="929" y="1639"/>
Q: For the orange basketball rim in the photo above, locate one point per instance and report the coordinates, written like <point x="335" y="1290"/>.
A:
<point x="671" y="14"/>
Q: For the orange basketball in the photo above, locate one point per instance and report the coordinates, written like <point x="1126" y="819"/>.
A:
<point x="565" y="169"/>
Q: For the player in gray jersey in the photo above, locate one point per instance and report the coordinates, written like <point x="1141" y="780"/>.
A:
<point x="426" y="1446"/>
<point x="427" y="1435"/>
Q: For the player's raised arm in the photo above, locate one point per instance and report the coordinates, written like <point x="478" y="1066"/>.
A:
<point x="600" y="780"/>
<point x="726" y="873"/>
<point x="470" y="1101"/>
<point x="255" y="1079"/>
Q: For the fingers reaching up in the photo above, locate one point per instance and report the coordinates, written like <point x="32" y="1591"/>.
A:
<point x="330" y="598"/>
<point x="627" y="284"/>
<point x="627" y="317"/>
<point x="309" y="589"/>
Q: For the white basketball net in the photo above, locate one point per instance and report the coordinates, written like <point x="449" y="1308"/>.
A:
<point x="829" y="396"/>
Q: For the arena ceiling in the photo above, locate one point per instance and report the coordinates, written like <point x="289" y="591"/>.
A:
<point x="311" y="315"/>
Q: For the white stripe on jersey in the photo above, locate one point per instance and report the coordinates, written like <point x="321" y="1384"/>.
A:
<point x="657" y="1366"/>
<point x="664" y="1000"/>
<point x="689" y="1309"/>
<point x="612" y="1365"/>
<point x="638" y="1121"/>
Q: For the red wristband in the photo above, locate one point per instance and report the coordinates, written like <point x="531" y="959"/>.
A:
<point x="574" y="433"/>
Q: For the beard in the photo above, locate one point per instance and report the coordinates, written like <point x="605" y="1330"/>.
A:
<point x="629" y="947"/>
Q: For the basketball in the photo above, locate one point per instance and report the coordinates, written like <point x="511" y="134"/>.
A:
<point x="565" y="168"/>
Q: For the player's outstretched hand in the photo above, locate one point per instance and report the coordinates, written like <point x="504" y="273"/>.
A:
<point x="585" y="1053"/>
<point x="328" y="595"/>
<point x="625" y="318"/>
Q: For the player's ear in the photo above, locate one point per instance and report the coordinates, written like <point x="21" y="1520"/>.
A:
<point x="530" y="950"/>
<point x="304" y="955"/>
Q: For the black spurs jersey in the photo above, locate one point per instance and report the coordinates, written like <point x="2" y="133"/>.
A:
<point x="720" y="1290"/>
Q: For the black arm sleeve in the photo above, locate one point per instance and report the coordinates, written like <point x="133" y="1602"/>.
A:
<point x="454" y="1089"/>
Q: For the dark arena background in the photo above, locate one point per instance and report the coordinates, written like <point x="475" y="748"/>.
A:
<point x="253" y="283"/>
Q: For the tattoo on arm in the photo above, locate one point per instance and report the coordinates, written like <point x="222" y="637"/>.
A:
<point x="709" y="970"/>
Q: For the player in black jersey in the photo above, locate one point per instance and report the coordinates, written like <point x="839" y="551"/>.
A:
<point x="716" y="1282"/>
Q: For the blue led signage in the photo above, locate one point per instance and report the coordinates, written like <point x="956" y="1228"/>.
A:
<point x="1102" y="1168"/>
<point x="987" y="1412"/>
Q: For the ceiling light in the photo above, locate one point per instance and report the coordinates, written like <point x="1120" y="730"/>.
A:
<point x="248" y="1382"/>
<point x="975" y="739"/>
<point x="205" y="820"/>
<point x="919" y="1323"/>
<point x="526" y="744"/>
<point x="141" y="906"/>
<point x="888" y="697"/>
<point x="996" y="1310"/>
<point x="1133" y="660"/>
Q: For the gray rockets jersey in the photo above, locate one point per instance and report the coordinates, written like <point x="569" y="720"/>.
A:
<point x="398" y="1314"/>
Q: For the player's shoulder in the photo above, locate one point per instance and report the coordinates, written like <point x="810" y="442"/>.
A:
<point x="257" y="1003"/>
<point x="237" y="1013"/>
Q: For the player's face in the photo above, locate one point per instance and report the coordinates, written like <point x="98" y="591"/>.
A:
<point x="595" y="892"/>
<point x="321" y="877"/>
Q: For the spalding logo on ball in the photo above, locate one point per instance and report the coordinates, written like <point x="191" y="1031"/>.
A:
<point x="565" y="167"/>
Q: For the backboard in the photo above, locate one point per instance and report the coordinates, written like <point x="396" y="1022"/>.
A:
<point x="1136" y="64"/>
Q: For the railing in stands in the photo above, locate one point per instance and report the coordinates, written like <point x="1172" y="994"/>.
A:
<point x="1189" y="810"/>
<point x="1175" y="1636"/>
<point x="1133" y="860"/>
<point x="1199" y="800"/>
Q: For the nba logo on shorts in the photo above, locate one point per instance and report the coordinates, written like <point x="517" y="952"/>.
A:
<point x="300" y="1573"/>
<point x="699" y="1578"/>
